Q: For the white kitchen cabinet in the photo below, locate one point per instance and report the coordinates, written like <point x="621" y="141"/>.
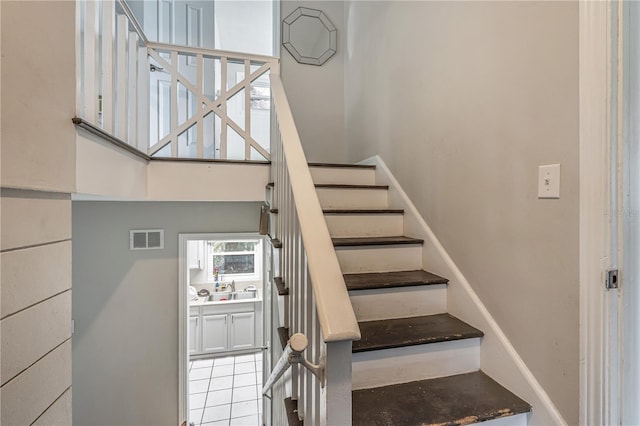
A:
<point x="194" y="334"/>
<point x="215" y="333"/>
<point x="243" y="330"/>
<point x="215" y="328"/>
<point x="195" y="254"/>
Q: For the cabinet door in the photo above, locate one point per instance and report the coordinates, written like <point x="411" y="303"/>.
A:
<point x="214" y="333"/>
<point x="194" y="335"/>
<point x="195" y="254"/>
<point x="243" y="330"/>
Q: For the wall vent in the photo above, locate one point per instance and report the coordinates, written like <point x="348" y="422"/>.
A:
<point x="146" y="239"/>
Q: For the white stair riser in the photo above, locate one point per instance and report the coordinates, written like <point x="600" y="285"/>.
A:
<point x="388" y="303"/>
<point x="379" y="258"/>
<point x="352" y="198"/>
<point x="345" y="176"/>
<point x="517" y="420"/>
<point x="364" y="225"/>
<point x="411" y="363"/>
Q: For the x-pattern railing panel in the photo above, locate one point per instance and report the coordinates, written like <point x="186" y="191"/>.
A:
<point x="206" y="106"/>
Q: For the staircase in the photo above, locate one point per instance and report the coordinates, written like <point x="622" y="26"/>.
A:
<point x="415" y="363"/>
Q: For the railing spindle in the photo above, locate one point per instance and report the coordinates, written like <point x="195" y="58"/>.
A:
<point x="132" y="86"/>
<point x="108" y="31"/>
<point x="121" y="78"/>
<point x="90" y="48"/>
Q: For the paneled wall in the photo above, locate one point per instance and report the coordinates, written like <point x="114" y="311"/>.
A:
<point x="38" y="174"/>
<point x="35" y="307"/>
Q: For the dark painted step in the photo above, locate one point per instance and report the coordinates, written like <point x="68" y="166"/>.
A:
<point x="392" y="279"/>
<point x="454" y="400"/>
<point x="291" y="408"/>
<point x="283" y="334"/>
<point x="411" y="331"/>
<point x="375" y="241"/>
<point x="363" y="211"/>
<point x="282" y="290"/>
<point x="343" y="165"/>
<point x="344" y="186"/>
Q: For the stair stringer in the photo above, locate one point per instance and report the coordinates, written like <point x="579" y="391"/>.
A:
<point x="499" y="359"/>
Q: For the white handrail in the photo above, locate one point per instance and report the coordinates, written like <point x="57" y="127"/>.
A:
<point x="335" y="313"/>
<point x="292" y="354"/>
<point x="133" y="21"/>
<point x="211" y="53"/>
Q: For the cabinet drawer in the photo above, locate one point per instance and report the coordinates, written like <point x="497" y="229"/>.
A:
<point x="228" y="308"/>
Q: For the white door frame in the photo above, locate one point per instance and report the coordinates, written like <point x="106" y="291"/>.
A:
<point x="629" y="229"/>
<point x="595" y="128"/>
<point x="183" y="309"/>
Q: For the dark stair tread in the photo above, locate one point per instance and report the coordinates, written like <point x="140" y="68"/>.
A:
<point x="343" y="165"/>
<point x="363" y="211"/>
<point x="392" y="279"/>
<point x="410" y="331"/>
<point x="283" y="334"/>
<point x="349" y="186"/>
<point x="291" y="407"/>
<point x="375" y="241"/>
<point x="282" y="290"/>
<point x="276" y="243"/>
<point x="454" y="400"/>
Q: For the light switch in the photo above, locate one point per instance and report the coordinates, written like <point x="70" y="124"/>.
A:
<point x="549" y="181"/>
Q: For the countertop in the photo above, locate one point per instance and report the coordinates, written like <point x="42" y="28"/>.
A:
<point x="202" y="301"/>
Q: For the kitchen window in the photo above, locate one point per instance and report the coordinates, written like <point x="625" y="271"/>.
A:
<point x="235" y="259"/>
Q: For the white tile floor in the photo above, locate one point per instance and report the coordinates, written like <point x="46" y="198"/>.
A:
<point x="225" y="391"/>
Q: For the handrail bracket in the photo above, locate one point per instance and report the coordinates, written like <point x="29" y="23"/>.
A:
<point x="317" y="370"/>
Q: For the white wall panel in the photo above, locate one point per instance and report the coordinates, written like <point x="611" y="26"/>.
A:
<point x="38" y="94"/>
<point x="191" y="181"/>
<point x="58" y="414"/>
<point x="30" y="334"/>
<point x="30" y="275"/>
<point x="28" y="395"/>
<point x="105" y="170"/>
<point x="30" y="218"/>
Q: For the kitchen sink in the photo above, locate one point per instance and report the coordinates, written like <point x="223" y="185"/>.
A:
<point x="216" y="297"/>
<point x="225" y="295"/>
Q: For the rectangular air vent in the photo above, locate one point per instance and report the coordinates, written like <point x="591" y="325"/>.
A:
<point x="146" y="239"/>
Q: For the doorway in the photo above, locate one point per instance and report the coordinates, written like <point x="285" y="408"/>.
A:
<point x="222" y="283"/>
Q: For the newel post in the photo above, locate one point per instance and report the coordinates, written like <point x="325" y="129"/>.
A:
<point x="336" y="394"/>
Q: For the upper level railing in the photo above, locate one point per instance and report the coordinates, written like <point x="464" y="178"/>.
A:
<point x="168" y="100"/>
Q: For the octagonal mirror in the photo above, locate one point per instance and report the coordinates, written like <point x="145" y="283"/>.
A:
<point x="309" y="36"/>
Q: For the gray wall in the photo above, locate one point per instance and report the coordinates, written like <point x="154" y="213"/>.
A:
<point x="316" y="93"/>
<point x="125" y="306"/>
<point x="463" y="100"/>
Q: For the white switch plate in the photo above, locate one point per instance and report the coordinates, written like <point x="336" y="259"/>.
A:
<point x="549" y="181"/>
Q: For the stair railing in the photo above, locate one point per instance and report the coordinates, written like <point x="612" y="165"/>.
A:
<point x="112" y="71"/>
<point x="168" y="100"/>
<point x="291" y="355"/>
<point x="318" y="301"/>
